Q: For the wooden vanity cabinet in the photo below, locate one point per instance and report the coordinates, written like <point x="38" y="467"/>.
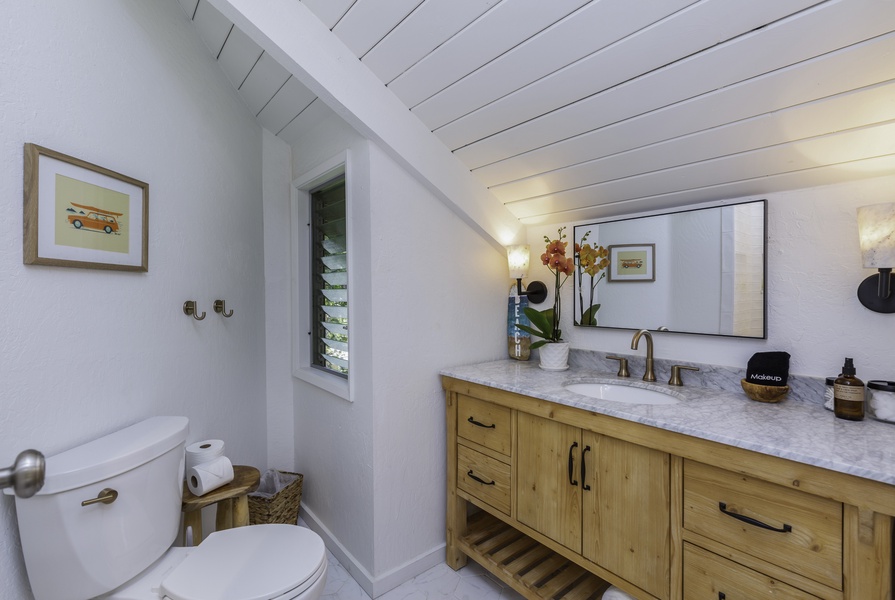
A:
<point x="559" y="502"/>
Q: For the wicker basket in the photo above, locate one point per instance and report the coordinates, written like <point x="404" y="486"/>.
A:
<point x="281" y="507"/>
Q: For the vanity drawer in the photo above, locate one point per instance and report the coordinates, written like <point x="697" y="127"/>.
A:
<point x="484" y="477"/>
<point x="708" y="576"/>
<point x="485" y="423"/>
<point x="731" y="508"/>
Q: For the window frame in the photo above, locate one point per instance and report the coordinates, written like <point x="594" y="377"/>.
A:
<point x="302" y="360"/>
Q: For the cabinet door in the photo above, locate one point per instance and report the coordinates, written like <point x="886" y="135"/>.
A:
<point x="548" y="490"/>
<point x="627" y="518"/>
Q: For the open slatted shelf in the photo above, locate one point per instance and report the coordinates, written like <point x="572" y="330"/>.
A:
<point x="533" y="569"/>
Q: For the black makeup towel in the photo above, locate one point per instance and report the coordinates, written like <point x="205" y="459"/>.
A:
<point x="768" y="368"/>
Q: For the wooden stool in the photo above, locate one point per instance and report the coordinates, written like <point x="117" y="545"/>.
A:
<point x="233" y="505"/>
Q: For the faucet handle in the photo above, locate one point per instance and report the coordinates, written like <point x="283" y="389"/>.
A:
<point x="622" y="365"/>
<point x="676" y="374"/>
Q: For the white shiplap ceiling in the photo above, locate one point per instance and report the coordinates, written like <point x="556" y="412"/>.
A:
<point x="575" y="109"/>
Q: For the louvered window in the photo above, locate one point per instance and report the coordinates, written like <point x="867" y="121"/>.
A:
<point x="329" y="277"/>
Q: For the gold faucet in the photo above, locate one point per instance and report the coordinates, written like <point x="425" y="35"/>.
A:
<point x="649" y="375"/>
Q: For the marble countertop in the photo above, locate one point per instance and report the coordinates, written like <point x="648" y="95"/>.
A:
<point x="797" y="430"/>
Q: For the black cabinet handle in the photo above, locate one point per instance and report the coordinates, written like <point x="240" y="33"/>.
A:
<point x="572" y="463"/>
<point x="584" y="485"/>
<point x="482" y="481"/>
<point x="722" y="506"/>
<point x="477" y="424"/>
<point x="722" y="596"/>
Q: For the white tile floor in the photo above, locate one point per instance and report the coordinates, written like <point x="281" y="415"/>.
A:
<point x="472" y="582"/>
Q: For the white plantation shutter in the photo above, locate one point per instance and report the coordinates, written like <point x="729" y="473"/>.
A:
<point x="329" y="277"/>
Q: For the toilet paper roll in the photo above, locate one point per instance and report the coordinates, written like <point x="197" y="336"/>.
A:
<point x="613" y="593"/>
<point x="202" y="452"/>
<point x="209" y="476"/>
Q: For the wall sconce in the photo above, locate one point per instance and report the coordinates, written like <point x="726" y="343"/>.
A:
<point x="876" y="226"/>
<point x="518" y="258"/>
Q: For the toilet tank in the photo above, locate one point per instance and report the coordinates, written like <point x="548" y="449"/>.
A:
<point x="74" y="552"/>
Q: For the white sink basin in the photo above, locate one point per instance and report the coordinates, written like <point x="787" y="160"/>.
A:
<point x="621" y="393"/>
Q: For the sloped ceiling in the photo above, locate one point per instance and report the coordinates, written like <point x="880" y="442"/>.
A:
<point x="576" y="109"/>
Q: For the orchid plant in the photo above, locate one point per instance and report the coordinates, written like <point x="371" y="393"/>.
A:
<point x="545" y="323"/>
<point x="592" y="260"/>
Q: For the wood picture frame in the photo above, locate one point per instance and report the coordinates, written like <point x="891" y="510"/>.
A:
<point x="77" y="214"/>
<point x="632" y="262"/>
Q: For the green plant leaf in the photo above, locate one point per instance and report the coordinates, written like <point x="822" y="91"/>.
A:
<point x="541" y="322"/>
<point x="530" y="330"/>
<point x="538" y="344"/>
<point x="590" y="315"/>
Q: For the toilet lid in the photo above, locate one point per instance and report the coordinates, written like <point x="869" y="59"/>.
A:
<point x="258" y="562"/>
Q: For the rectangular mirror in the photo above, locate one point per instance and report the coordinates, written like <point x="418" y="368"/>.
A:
<point x="696" y="271"/>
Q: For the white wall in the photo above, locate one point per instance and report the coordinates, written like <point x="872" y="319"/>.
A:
<point x="427" y="292"/>
<point x="814" y="268"/>
<point x="277" y="171"/>
<point x="127" y="84"/>
<point x="439" y="299"/>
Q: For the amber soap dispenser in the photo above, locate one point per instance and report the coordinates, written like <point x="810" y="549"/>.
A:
<point x="848" y="394"/>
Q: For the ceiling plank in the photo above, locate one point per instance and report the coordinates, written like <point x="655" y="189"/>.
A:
<point x="317" y="114"/>
<point x="189" y="7"/>
<point x="506" y="25"/>
<point x="289" y="101"/>
<point x="595" y="26"/>
<point x="741" y="189"/>
<point x="839" y="148"/>
<point x="681" y="35"/>
<point x="851" y="68"/>
<point x="821" y="30"/>
<point x="238" y="56"/>
<point x="264" y="80"/>
<point x="213" y="27"/>
<point x="427" y="27"/>
<point x="367" y="22"/>
<point x="329" y="11"/>
<point x="318" y="59"/>
<point x="849" y="110"/>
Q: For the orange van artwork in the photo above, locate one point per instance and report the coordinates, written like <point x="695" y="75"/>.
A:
<point x="631" y="263"/>
<point x="95" y="219"/>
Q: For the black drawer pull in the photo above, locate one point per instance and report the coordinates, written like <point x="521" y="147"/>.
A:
<point x="722" y="596"/>
<point x="722" y="506"/>
<point x="477" y="424"/>
<point x="482" y="481"/>
<point x="572" y="481"/>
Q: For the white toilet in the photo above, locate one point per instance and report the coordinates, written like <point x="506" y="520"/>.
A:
<point x="121" y="550"/>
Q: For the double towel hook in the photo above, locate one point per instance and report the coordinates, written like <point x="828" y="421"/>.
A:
<point x="220" y="307"/>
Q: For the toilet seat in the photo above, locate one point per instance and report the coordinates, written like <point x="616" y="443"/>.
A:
<point x="260" y="562"/>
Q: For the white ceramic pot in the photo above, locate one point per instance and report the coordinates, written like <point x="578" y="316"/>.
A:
<point x="554" y="356"/>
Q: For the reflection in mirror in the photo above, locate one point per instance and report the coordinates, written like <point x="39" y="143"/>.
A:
<point x="696" y="271"/>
